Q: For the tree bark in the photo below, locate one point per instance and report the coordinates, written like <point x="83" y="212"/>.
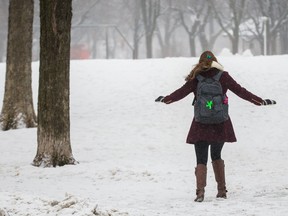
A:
<point x="53" y="135"/>
<point x="18" y="110"/>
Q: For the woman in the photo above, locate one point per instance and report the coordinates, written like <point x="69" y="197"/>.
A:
<point x="213" y="135"/>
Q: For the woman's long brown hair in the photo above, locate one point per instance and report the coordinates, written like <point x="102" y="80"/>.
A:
<point x="204" y="63"/>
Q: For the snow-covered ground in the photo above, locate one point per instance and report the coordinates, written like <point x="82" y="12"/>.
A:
<point x="133" y="160"/>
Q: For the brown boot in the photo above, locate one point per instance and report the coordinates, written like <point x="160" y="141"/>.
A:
<point x="219" y="171"/>
<point x="201" y="173"/>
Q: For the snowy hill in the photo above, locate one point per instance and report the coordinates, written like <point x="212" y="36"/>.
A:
<point x="132" y="155"/>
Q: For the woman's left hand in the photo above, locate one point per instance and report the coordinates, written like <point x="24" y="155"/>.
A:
<point x="268" y="102"/>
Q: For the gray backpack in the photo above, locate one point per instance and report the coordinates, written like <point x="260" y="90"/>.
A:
<point x="209" y="107"/>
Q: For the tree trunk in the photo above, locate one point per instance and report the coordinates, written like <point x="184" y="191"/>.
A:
<point x="107" y="44"/>
<point x="136" y="48"/>
<point x="150" y="12"/>
<point x="149" y="41"/>
<point x="203" y="39"/>
<point x="192" y="46"/>
<point x="18" y="110"/>
<point x="53" y="135"/>
<point x="235" y="41"/>
<point x="136" y="29"/>
<point x="284" y="39"/>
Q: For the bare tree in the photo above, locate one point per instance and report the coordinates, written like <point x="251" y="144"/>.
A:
<point x="230" y="14"/>
<point x="269" y="15"/>
<point x="252" y="29"/>
<point x="194" y="16"/>
<point x="131" y="25"/>
<point x="53" y="134"/>
<point x="82" y="26"/>
<point x="276" y="12"/>
<point x="283" y="26"/>
<point x="208" y="33"/>
<point x="284" y="38"/>
<point x="168" y="23"/>
<point x="136" y="28"/>
<point x="18" y="110"/>
<point x="150" y="12"/>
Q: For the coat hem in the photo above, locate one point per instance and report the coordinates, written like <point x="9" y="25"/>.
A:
<point x="194" y="142"/>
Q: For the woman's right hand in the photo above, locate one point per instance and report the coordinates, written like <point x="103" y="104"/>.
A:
<point x="159" y="99"/>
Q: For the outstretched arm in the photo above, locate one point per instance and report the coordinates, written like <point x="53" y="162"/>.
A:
<point x="242" y="92"/>
<point x="179" y="94"/>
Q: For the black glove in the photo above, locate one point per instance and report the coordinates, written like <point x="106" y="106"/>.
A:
<point x="159" y="99"/>
<point x="268" y="102"/>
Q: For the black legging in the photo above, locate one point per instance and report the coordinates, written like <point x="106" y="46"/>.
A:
<point x="201" y="150"/>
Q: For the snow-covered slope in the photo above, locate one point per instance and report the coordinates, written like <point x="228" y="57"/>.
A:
<point x="132" y="155"/>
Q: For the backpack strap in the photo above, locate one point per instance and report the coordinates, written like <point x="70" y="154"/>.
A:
<point x="218" y="75"/>
<point x="200" y="77"/>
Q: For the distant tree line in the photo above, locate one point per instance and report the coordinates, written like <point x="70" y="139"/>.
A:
<point x="161" y="28"/>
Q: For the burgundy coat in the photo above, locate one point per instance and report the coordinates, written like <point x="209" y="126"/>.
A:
<point x="223" y="132"/>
